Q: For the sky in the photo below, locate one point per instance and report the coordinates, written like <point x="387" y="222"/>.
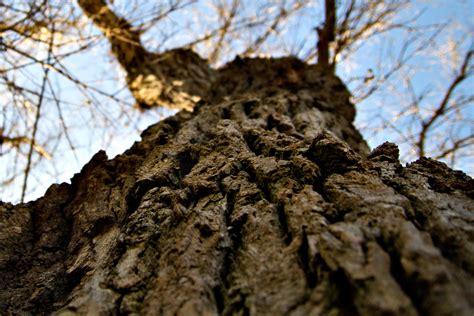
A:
<point x="430" y="76"/>
<point x="105" y="125"/>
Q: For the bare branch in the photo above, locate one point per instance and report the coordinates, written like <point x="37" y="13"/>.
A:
<point x="464" y="72"/>
<point x="326" y="35"/>
<point x="228" y="16"/>
<point x="37" y="118"/>
<point x="125" y="42"/>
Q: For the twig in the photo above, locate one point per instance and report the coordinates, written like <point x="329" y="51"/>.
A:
<point x="37" y="118"/>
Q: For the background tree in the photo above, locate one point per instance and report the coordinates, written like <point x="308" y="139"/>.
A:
<point x="264" y="199"/>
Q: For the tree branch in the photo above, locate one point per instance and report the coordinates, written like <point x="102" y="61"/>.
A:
<point x="37" y="118"/>
<point x="326" y="35"/>
<point x="464" y="72"/>
<point x="125" y="42"/>
<point x="176" y="79"/>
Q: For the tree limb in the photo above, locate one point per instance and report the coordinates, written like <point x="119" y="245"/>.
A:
<point x="125" y="42"/>
<point x="176" y="79"/>
<point x="326" y="35"/>
<point x="464" y="72"/>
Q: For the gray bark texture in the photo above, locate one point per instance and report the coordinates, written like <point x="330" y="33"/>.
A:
<point x="263" y="201"/>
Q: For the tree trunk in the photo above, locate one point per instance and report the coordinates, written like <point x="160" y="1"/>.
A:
<point x="263" y="201"/>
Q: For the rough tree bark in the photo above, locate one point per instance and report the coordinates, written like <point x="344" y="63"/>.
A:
<point x="264" y="200"/>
